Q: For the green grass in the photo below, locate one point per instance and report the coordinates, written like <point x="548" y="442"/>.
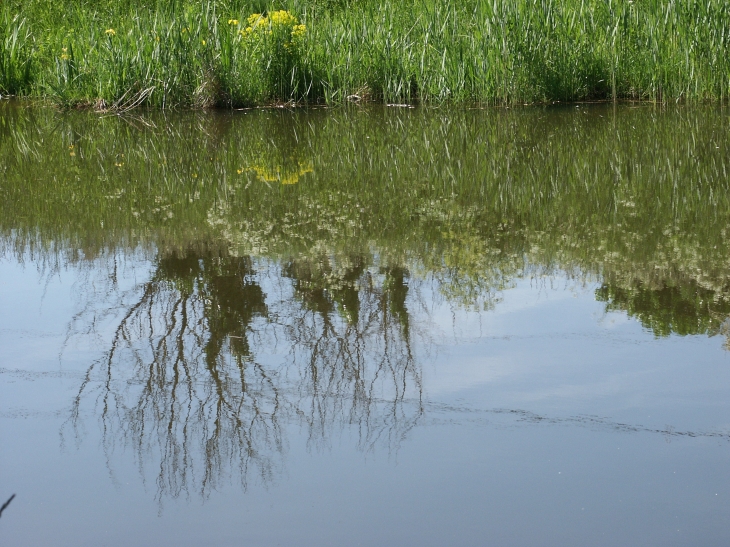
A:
<point x="184" y="53"/>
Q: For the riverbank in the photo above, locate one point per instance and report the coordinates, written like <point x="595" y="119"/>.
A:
<point x="233" y="53"/>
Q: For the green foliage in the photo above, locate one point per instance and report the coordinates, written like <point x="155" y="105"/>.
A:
<point x="184" y="52"/>
<point x="16" y="75"/>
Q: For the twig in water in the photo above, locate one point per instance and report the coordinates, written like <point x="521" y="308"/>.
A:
<point x="6" y="504"/>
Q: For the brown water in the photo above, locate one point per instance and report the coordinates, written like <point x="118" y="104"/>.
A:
<point x="365" y="327"/>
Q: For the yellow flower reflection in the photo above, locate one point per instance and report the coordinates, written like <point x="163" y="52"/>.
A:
<point x="277" y="174"/>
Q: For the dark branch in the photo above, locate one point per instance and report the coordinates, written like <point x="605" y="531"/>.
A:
<point x="6" y="504"/>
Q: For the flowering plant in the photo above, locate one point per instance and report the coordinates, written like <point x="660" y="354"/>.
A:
<point x="276" y="40"/>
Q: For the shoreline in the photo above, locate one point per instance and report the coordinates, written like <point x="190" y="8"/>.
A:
<point x="45" y="102"/>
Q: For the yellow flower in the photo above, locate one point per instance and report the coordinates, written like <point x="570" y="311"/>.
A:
<point x="298" y="31"/>
<point x="282" y="18"/>
<point x="255" y="19"/>
<point x="110" y="32"/>
<point x="233" y="21"/>
<point x="65" y="56"/>
<point x="277" y="22"/>
<point x="202" y="42"/>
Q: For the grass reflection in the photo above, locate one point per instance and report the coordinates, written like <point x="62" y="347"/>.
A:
<point x="473" y="199"/>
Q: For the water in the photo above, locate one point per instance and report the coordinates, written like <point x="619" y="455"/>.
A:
<point x="365" y="327"/>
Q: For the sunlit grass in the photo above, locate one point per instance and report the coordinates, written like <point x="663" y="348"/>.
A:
<point x="184" y="53"/>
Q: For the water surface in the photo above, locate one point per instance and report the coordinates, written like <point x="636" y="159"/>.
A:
<point x="365" y="327"/>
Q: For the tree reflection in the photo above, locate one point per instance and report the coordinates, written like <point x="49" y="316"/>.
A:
<point x="191" y="380"/>
<point x="683" y="308"/>
<point x="352" y="336"/>
<point x="179" y="380"/>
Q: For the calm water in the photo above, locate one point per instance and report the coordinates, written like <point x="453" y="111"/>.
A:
<point x="365" y="327"/>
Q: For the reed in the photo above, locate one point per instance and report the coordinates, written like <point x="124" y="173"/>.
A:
<point x="185" y="53"/>
<point x="15" y="56"/>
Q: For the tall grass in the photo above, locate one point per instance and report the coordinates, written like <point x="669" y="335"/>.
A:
<point x="16" y="56"/>
<point x="474" y="51"/>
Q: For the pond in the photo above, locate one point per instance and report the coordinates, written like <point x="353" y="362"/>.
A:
<point x="365" y="326"/>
